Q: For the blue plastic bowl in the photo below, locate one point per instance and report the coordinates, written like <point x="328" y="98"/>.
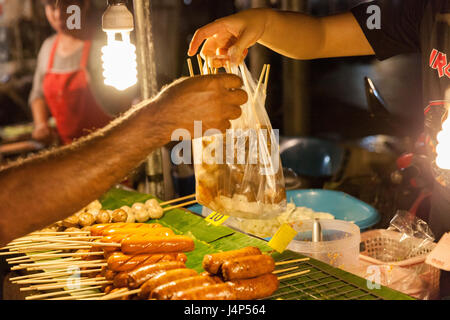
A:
<point x="341" y="205"/>
<point x="311" y="157"/>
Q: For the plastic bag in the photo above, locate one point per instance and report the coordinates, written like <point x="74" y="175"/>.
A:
<point x="396" y="257"/>
<point x="239" y="173"/>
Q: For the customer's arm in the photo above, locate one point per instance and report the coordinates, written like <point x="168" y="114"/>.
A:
<point x="46" y="188"/>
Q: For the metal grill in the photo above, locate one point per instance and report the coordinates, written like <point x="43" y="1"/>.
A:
<point x="318" y="284"/>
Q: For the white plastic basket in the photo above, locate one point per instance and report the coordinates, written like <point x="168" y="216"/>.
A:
<point x="380" y="248"/>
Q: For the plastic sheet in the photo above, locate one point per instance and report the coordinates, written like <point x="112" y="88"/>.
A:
<point x="239" y="173"/>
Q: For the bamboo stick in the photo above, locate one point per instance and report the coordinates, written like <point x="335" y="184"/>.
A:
<point x="120" y="294"/>
<point x="191" y="69"/>
<point x="60" y="286"/>
<point x="260" y="82"/>
<point x="75" y="297"/>
<point x="58" y="267"/>
<point x="50" y="274"/>
<point x="177" y="200"/>
<point x="63" y="292"/>
<point x="294" y="275"/>
<point x="266" y="82"/>
<point x="180" y="205"/>
<point x="292" y="261"/>
<point x="49" y="281"/>
<point x="285" y="270"/>
<point x="102" y="244"/>
<point x="200" y="64"/>
<point x="49" y="256"/>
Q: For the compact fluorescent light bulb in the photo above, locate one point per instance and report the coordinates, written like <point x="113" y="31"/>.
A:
<point x="119" y="62"/>
<point x="119" y="56"/>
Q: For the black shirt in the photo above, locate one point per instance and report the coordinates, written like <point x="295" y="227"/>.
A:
<point x="415" y="26"/>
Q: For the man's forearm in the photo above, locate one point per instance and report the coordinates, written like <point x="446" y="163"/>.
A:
<point x="305" y="37"/>
<point x="49" y="187"/>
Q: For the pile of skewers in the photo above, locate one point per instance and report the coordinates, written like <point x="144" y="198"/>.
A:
<point x="142" y="261"/>
<point x="138" y="212"/>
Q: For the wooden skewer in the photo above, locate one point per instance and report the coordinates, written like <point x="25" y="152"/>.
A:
<point x="266" y="82"/>
<point x="51" y="274"/>
<point x="60" y="286"/>
<point x="260" y="82"/>
<point x="291" y="261"/>
<point x="191" y="69"/>
<point x="102" y="244"/>
<point x="49" y="256"/>
<point x="48" y="281"/>
<point x="180" y="205"/>
<point x="177" y="200"/>
<point x="34" y="255"/>
<point x="120" y="294"/>
<point x="200" y="64"/>
<point x="55" y="294"/>
<point x="285" y="270"/>
<point x="60" y="233"/>
<point x="294" y="275"/>
<point x="87" y="265"/>
<point x="50" y="246"/>
<point x="75" y="297"/>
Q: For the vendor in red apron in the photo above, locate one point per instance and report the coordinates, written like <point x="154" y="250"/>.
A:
<point x="68" y="84"/>
<point x="382" y="27"/>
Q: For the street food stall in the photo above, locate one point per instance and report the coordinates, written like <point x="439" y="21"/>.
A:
<point x="293" y="219"/>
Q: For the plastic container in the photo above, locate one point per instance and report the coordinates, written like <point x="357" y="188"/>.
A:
<point x="340" y="245"/>
<point x="412" y="275"/>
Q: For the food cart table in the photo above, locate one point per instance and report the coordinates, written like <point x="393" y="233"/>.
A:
<point x="323" y="282"/>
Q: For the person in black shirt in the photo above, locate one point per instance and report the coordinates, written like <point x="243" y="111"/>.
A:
<point x="381" y="28"/>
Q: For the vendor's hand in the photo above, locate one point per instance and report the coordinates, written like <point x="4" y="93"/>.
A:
<point x="212" y="99"/>
<point x="42" y="133"/>
<point x="230" y="36"/>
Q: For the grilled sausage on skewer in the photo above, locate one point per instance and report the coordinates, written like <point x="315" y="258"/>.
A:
<point x="213" y="262"/>
<point x="153" y="244"/>
<point x="247" y="267"/>
<point x="166" y="291"/>
<point x="163" y="278"/>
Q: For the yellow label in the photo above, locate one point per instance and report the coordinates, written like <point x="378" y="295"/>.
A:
<point x="282" y="238"/>
<point x="216" y="218"/>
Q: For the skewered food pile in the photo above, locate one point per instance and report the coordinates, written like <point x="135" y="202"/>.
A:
<point x="93" y="214"/>
<point x="147" y="261"/>
<point x="240" y="174"/>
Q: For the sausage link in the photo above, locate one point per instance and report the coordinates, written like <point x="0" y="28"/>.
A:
<point x="121" y="280"/>
<point x="257" y="288"/>
<point x="121" y="262"/>
<point x="247" y="267"/>
<point x="123" y="232"/>
<point x="153" y="244"/>
<point x="110" y="274"/>
<point x="212" y="262"/>
<point x="140" y="275"/>
<point x="221" y="291"/>
<point x="166" y="291"/>
<point x="163" y="278"/>
<point x="99" y="229"/>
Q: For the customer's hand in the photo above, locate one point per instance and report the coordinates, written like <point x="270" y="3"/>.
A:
<point x="230" y="36"/>
<point x="212" y="99"/>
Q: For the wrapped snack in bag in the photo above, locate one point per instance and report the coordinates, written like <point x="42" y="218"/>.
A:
<point x="240" y="173"/>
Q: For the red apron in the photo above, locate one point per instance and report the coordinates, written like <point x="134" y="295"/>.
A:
<point x="70" y="100"/>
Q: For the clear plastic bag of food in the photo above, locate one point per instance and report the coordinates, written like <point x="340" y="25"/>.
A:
<point x="239" y="173"/>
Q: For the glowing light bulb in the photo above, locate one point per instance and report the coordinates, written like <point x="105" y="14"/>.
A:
<point x="119" y="62"/>
<point x="443" y="147"/>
